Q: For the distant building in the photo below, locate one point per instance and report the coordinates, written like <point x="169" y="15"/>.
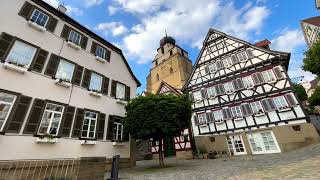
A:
<point x="311" y="30"/>
<point x="310" y="86"/>
<point x="318" y="4"/>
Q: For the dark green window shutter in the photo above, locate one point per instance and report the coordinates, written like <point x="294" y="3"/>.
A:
<point x="101" y="126"/>
<point x="113" y="88"/>
<point x="66" y="123"/>
<point x="26" y="10"/>
<point x="6" y="41"/>
<point x="84" y="41"/>
<point x="77" y="75"/>
<point x="105" y="85"/>
<point x="39" y="61"/>
<point x="52" y="24"/>
<point x="86" y="78"/>
<point x="19" y="114"/>
<point x="93" y="48"/>
<point x="108" y="55"/>
<point x="127" y="97"/>
<point x="52" y="65"/>
<point x="110" y="127"/>
<point x="35" y="117"/>
<point x="77" y="126"/>
<point x="65" y="32"/>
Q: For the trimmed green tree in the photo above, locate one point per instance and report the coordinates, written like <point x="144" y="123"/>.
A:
<point x="311" y="62"/>
<point x="157" y="117"/>
<point x="301" y="92"/>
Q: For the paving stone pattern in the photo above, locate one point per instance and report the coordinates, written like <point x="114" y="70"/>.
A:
<point x="300" y="164"/>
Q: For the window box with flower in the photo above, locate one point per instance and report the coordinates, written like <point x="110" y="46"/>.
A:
<point x="95" y="92"/>
<point x="46" y="138"/>
<point x="15" y="66"/>
<point x="63" y="82"/>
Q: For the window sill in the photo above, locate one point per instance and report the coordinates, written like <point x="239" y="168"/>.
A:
<point x="203" y="125"/>
<point x="212" y="97"/>
<point x="198" y="101"/>
<point x="101" y="59"/>
<point x="272" y="82"/>
<point x="62" y="83"/>
<point x="259" y="114"/>
<point x="238" y="119"/>
<point x="229" y="93"/>
<point x="249" y="88"/>
<point x="14" y="67"/>
<point x="36" y="26"/>
<point x="73" y="45"/>
<point x="219" y="122"/>
<point x="120" y="101"/>
<point x="46" y="140"/>
<point x="88" y="142"/>
<point x="96" y="94"/>
<point x="117" y="143"/>
<point x="284" y="110"/>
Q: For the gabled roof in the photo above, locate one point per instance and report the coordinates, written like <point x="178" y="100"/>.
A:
<point x="263" y="43"/>
<point x="76" y="24"/>
<point x="284" y="56"/>
<point x="172" y="89"/>
<point x="314" y="21"/>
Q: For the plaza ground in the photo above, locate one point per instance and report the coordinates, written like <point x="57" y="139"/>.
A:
<point x="300" y="164"/>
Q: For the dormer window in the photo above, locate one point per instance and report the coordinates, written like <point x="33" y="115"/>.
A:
<point x="74" y="37"/>
<point x="39" y="17"/>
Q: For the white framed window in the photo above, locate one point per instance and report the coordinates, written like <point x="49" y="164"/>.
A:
<point x="95" y="82"/>
<point x="211" y="92"/>
<point x="51" y="119"/>
<point x="120" y="91"/>
<point x="74" y="37"/>
<point x="202" y="118"/>
<point x="39" y="17"/>
<point x="212" y="68"/>
<point x="65" y="70"/>
<point x="101" y="52"/>
<point x="220" y="45"/>
<point x="218" y="116"/>
<point x="117" y="131"/>
<point x="268" y="76"/>
<point x="6" y="104"/>
<point x="89" y="125"/>
<point x="256" y="107"/>
<point x="228" y="87"/>
<point x="280" y="102"/>
<point x="227" y="62"/>
<point x="236" y="112"/>
<point x="248" y="82"/>
<point x="197" y="96"/>
<point x="21" y="54"/>
<point x="242" y="56"/>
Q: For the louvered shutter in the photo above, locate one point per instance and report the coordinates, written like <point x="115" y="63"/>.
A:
<point x="101" y="126"/>
<point x="235" y="84"/>
<point x="216" y="87"/>
<point x="6" y="42"/>
<point x="52" y="65"/>
<point x="250" y="53"/>
<point x="234" y="59"/>
<point x="206" y="69"/>
<point x="26" y="10"/>
<point x="257" y="78"/>
<point x="65" y="32"/>
<point x="86" y="78"/>
<point x="52" y="24"/>
<point x="208" y="118"/>
<point x="35" y="116"/>
<point x="212" y="117"/>
<point x="260" y="77"/>
<point x="291" y="99"/>
<point x="196" y="120"/>
<point x="219" y="64"/>
<point x="240" y="83"/>
<point x="93" y="48"/>
<point x="77" y="75"/>
<point x="110" y="127"/>
<point x="248" y="108"/>
<point x="221" y="89"/>
<point x="265" y="105"/>
<point x="105" y="85"/>
<point x="77" y="126"/>
<point x="108" y="55"/>
<point x="204" y="94"/>
<point x="278" y="73"/>
<point x="66" y="123"/>
<point x="39" y="61"/>
<point x="113" y="88"/>
<point x="19" y="114"/>
<point x="244" y="110"/>
<point x="84" y="41"/>
<point x="127" y="97"/>
<point x="226" y="113"/>
<point x="191" y="97"/>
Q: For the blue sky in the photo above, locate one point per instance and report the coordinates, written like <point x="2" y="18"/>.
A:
<point x="136" y="26"/>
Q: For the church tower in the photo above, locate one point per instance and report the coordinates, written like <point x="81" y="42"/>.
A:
<point x="171" y="65"/>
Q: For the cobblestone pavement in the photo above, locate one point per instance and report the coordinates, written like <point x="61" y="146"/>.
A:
<point x="300" y="164"/>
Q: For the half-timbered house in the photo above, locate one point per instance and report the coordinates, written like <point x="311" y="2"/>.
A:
<point x="243" y="101"/>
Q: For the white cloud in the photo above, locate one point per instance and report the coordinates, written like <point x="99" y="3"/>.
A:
<point x="112" y="10"/>
<point x="116" y="28"/>
<point x="70" y="9"/>
<point x="54" y="3"/>
<point x="288" y="40"/>
<point x="89" y="3"/>
<point x="187" y="21"/>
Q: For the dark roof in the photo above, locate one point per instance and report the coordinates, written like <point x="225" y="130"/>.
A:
<point x="167" y="39"/>
<point x="263" y="43"/>
<point x="74" y="23"/>
<point x="314" y="21"/>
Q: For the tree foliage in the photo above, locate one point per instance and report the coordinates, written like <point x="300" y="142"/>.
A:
<point x="299" y="89"/>
<point x="312" y="60"/>
<point x="314" y="99"/>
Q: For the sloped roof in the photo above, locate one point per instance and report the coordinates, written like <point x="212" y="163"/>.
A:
<point x="263" y="43"/>
<point x="173" y="89"/>
<point x="313" y="20"/>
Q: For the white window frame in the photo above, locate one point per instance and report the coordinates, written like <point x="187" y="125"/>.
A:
<point x="228" y="87"/>
<point x="66" y="62"/>
<point x="269" y="76"/>
<point x="26" y="45"/>
<point x="90" y="119"/>
<point x="119" y="126"/>
<point x="221" y="44"/>
<point x="44" y="15"/>
<point x="256" y="107"/>
<point x="71" y="39"/>
<point x="103" y="50"/>
<point x="212" y="68"/>
<point x="242" y="56"/>
<point x="248" y="82"/>
<point x="117" y="91"/>
<point x="10" y="108"/>
<point x="218" y="116"/>
<point x="97" y="75"/>
<point x="51" y="119"/>
<point x="281" y="103"/>
<point x="202" y="118"/>
<point x="227" y="61"/>
<point x="197" y="96"/>
<point x="211" y="92"/>
<point x="236" y="112"/>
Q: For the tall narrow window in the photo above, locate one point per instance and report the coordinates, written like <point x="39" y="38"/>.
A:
<point x="211" y="92"/>
<point x="21" y="54"/>
<point x="89" y="125"/>
<point x="39" y="17"/>
<point x="6" y="103"/>
<point x="256" y="107"/>
<point x="74" y="37"/>
<point x="95" y="82"/>
<point x="101" y="52"/>
<point x="248" y="82"/>
<point x="65" y="71"/>
<point x="120" y="91"/>
<point x="227" y="62"/>
<point x="268" y="76"/>
<point x="280" y="102"/>
<point x="218" y="116"/>
<point x="242" y="56"/>
<point x="171" y="53"/>
<point x="228" y="87"/>
<point x="117" y="131"/>
<point x="51" y="119"/>
<point x="212" y="68"/>
<point x="202" y="118"/>
<point x="197" y="96"/>
<point x="236" y="112"/>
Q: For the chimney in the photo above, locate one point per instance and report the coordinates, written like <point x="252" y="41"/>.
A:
<point x="263" y="44"/>
<point x="62" y="8"/>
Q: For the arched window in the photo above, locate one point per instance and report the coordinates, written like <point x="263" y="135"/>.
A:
<point x="157" y="77"/>
<point x="171" y="70"/>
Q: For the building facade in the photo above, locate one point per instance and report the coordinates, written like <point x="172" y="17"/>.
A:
<point x="63" y="88"/>
<point x="243" y="101"/>
<point x="311" y="30"/>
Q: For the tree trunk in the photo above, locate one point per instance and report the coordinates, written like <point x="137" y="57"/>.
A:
<point x="161" y="154"/>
